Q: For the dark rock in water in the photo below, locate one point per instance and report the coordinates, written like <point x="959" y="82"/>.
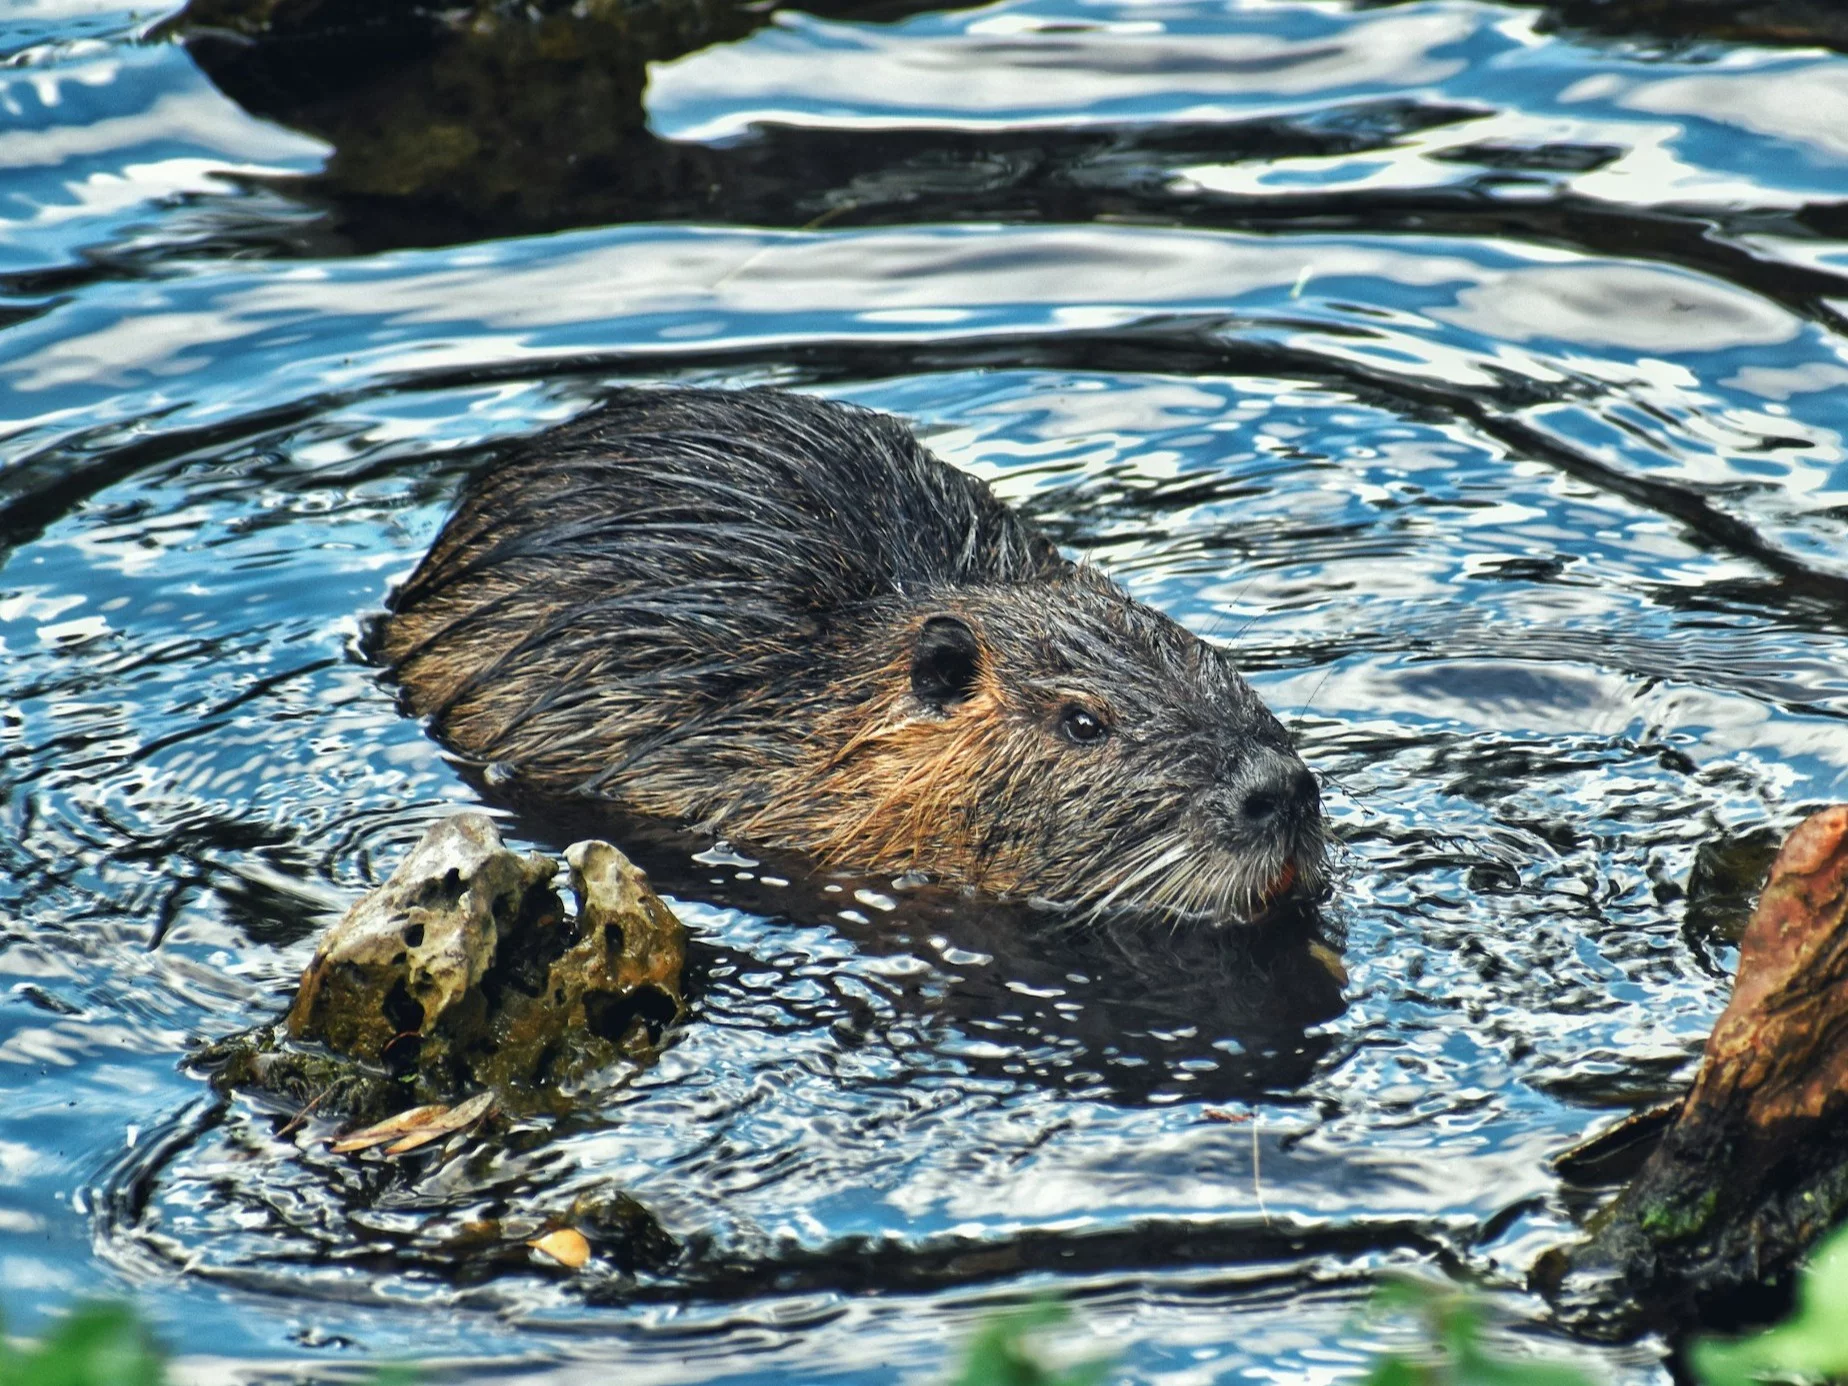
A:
<point x="1728" y="874"/>
<point x="1823" y="23"/>
<point x="465" y="974"/>
<point x="482" y="119"/>
<point x="1754" y="1167"/>
<point x="459" y="122"/>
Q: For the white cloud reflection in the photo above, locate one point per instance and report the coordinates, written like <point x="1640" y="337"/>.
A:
<point x="1003" y="65"/>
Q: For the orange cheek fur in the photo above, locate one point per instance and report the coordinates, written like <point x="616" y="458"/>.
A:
<point x="892" y="790"/>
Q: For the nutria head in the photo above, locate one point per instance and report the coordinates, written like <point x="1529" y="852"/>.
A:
<point x="1055" y="739"/>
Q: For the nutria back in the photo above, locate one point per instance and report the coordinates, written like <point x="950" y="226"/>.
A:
<point x="780" y="618"/>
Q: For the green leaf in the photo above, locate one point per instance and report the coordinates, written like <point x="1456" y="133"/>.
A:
<point x="98" y="1345"/>
<point x="1812" y="1344"/>
<point x="1001" y="1354"/>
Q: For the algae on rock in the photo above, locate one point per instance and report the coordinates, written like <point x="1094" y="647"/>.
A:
<point x="464" y="972"/>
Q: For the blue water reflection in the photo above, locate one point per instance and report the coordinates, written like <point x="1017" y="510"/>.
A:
<point x="100" y="141"/>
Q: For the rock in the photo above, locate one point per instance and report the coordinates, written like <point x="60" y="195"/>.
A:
<point x="465" y="974"/>
<point x="478" y="119"/>
<point x="403" y="959"/>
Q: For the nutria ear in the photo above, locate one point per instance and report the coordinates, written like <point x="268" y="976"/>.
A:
<point x="945" y="662"/>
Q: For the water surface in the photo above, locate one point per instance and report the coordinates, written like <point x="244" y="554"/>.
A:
<point x="1479" y="386"/>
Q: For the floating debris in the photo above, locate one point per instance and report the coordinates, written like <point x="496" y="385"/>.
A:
<point x="419" y="1126"/>
<point x="565" y="1246"/>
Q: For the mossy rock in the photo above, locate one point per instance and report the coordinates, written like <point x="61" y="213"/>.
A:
<point x="465" y="973"/>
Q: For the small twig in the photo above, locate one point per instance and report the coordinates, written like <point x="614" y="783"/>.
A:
<point x="302" y="1115"/>
<point x="1257" y="1174"/>
<point x="1257" y="1178"/>
<point x="1314" y="693"/>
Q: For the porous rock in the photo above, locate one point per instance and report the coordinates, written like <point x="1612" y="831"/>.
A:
<point x="413" y="950"/>
<point x="465" y="973"/>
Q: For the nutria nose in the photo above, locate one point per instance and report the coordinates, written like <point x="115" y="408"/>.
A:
<point x="1276" y="789"/>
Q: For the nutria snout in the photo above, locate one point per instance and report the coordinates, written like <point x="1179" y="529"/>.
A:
<point x="781" y="619"/>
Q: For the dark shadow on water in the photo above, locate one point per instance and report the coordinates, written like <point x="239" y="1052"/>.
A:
<point x="1132" y="1010"/>
<point x="1822" y="23"/>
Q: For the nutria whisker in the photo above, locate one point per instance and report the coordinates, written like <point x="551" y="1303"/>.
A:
<point x="1138" y="875"/>
<point x="1314" y="693"/>
<point x="781" y="619"/>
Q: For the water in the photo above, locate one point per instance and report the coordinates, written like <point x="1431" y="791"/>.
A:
<point x="1478" y="384"/>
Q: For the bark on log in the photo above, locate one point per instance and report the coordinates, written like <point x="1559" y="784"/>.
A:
<point x="1754" y="1168"/>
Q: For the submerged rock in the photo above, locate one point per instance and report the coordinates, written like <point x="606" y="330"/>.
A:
<point x="464" y="974"/>
<point x="1805" y="22"/>
<point x="471" y="120"/>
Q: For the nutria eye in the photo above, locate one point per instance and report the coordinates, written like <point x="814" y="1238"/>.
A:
<point x="1082" y="727"/>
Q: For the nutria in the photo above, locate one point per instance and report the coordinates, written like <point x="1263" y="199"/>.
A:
<point x="781" y="619"/>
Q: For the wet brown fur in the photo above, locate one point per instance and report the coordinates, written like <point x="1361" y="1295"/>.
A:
<point x="711" y="606"/>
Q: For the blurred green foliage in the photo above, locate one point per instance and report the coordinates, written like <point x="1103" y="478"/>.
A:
<point x="98" y="1345"/>
<point x="1810" y="1345"/>
<point x="1453" y="1321"/>
<point x="1004" y="1353"/>
<point x="108" y="1345"/>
